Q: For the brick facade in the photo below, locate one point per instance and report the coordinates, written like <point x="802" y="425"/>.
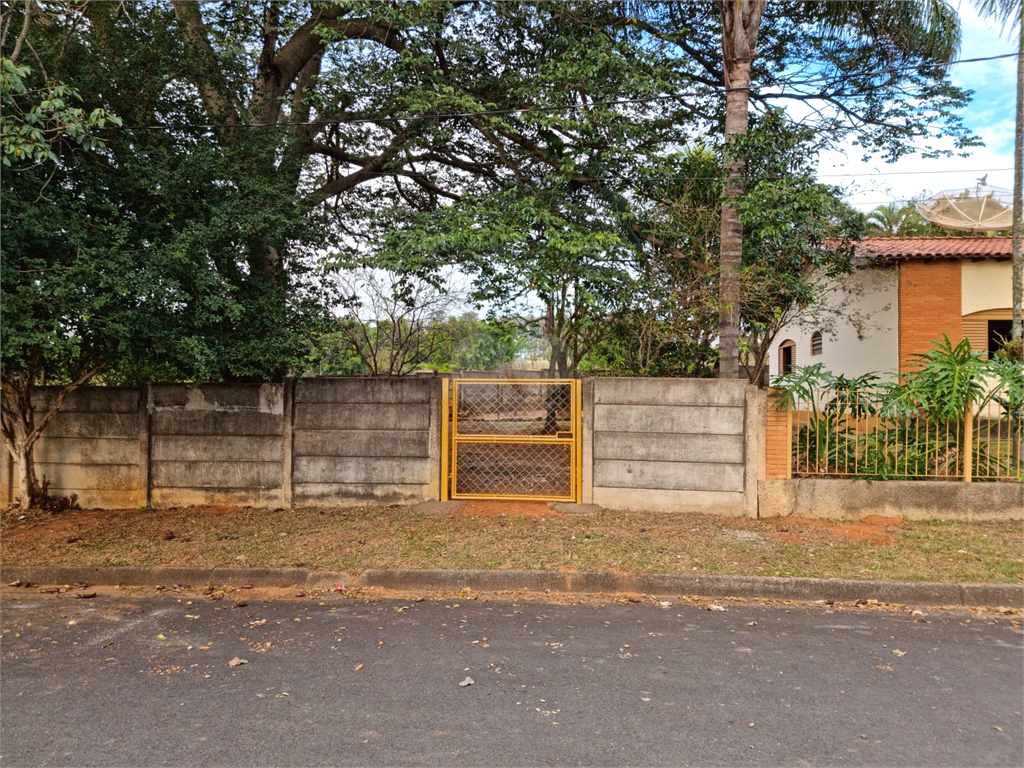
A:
<point x="779" y="444"/>
<point x="929" y="305"/>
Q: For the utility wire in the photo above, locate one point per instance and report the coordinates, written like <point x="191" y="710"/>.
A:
<point x="526" y="110"/>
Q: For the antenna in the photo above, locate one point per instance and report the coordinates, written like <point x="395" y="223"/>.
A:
<point x="982" y="209"/>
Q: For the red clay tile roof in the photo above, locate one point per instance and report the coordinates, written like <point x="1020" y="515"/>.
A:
<point x="900" y="248"/>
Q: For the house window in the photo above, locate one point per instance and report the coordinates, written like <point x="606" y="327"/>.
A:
<point x="787" y="357"/>
<point x="998" y="335"/>
<point x="816" y="343"/>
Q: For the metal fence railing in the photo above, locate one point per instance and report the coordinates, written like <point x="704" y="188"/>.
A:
<point x="851" y="433"/>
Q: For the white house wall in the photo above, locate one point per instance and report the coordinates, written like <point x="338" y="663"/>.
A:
<point x="985" y="285"/>
<point x="863" y="338"/>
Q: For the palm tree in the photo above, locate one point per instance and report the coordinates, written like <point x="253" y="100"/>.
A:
<point x="927" y="26"/>
<point x="1008" y="13"/>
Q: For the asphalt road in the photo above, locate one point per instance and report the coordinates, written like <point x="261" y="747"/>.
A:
<point x="144" y="679"/>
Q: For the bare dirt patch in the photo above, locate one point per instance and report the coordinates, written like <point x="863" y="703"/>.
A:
<point x="526" y="535"/>
<point x="507" y="508"/>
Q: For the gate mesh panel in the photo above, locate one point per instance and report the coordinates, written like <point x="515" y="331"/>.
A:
<point x="514" y="408"/>
<point x="514" y="469"/>
<point x="524" y="413"/>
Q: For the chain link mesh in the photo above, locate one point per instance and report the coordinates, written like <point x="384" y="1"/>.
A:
<point x="514" y="408"/>
<point x="514" y="469"/>
<point x="530" y="409"/>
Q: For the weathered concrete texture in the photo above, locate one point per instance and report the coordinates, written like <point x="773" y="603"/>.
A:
<point x="635" y="446"/>
<point x="163" y="498"/>
<point x="247" y="448"/>
<point x="672" y="445"/>
<point x="647" y="499"/>
<point x="701" y="392"/>
<point x="216" y="444"/>
<point x="360" y="416"/>
<point x="366" y="440"/>
<point x="264" y="398"/>
<point x="385" y="471"/>
<point x="669" y="475"/>
<point x="369" y="443"/>
<point x="912" y="500"/>
<point x="216" y="474"/>
<point x="85" y="450"/>
<point x="91" y="477"/>
<point x="216" y="423"/>
<point x="89" y="400"/>
<point x="675" y="419"/>
<point x="92" y="425"/>
<point x="372" y="390"/>
<point x="344" y="494"/>
<point x="103" y="498"/>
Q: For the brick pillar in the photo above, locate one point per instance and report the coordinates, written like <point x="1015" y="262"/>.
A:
<point x="929" y="306"/>
<point x="779" y="442"/>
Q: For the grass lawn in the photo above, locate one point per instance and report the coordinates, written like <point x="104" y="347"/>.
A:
<point x="517" y="535"/>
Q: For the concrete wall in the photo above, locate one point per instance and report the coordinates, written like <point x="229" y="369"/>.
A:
<point x="673" y="445"/>
<point x="913" y="500"/>
<point x="217" y="444"/>
<point x="93" y="447"/>
<point x="367" y="438"/>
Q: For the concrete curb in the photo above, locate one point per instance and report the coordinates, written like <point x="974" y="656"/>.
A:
<point x="582" y="582"/>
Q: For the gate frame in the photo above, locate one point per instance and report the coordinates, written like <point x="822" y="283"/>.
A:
<point x="450" y="440"/>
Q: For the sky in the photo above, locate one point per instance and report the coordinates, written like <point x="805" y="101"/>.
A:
<point x="990" y="115"/>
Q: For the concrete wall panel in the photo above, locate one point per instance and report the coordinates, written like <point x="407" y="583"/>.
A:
<point x="669" y="476"/>
<point x="266" y="398"/>
<point x="219" y="474"/>
<point x="216" y="448"/>
<point x="912" y="500"/>
<point x="716" y="502"/>
<point x="96" y="451"/>
<point x="359" y="416"/>
<point x="103" y="498"/>
<point x="311" y="493"/>
<point x="183" y="497"/>
<point x="216" y="423"/>
<point x="88" y="400"/>
<point x="71" y="424"/>
<point x="634" y="391"/>
<point x="105" y="477"/>
<point x="369" y="443"/>
<point x="373" y="390"/>
<point x="625" y="446"/>
<point x="678" y="419"/>
<point x="340" y="469"/>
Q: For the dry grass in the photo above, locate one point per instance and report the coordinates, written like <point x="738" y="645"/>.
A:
<point x="518" y="536"/>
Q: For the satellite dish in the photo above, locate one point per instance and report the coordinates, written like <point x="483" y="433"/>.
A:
<point x="978" y="209"/>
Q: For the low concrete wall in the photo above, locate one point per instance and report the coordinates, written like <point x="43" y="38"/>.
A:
<point x="672" y="445"/>
<point x="367" y="438"/>
<point x="92" y="447"/>
<point x="216" y="444"/>
<point x="913" y="500"/>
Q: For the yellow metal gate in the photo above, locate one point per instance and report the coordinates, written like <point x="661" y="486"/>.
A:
<point x="511" y="439"/>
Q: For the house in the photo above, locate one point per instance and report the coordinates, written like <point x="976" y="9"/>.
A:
<point x="904" y="294"/>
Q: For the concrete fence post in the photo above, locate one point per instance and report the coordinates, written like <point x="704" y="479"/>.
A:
<point x="755" y="431"/>
<point x="587" y="442"/>
<point x="145" y="445"/>
<point x="968" y="446"/>
<point x="288" y="439"/>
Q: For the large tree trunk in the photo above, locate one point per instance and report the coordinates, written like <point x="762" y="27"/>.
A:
<point x="1018" y="192"/>
<point x="740" y="22"/>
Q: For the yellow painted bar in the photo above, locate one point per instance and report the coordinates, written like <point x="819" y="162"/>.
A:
<point x="445" y="442"/>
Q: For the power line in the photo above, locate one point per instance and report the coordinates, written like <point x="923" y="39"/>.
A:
<point x="527" y="110"/>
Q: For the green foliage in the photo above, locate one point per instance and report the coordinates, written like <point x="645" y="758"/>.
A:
<point x="36" y="121"/>
<point x="914" y="425"/>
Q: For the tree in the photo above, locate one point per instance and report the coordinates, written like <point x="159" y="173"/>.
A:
<point x="1009" y="13"/>
<point x="121" y="252"/>
<point x="933" y="29"/>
